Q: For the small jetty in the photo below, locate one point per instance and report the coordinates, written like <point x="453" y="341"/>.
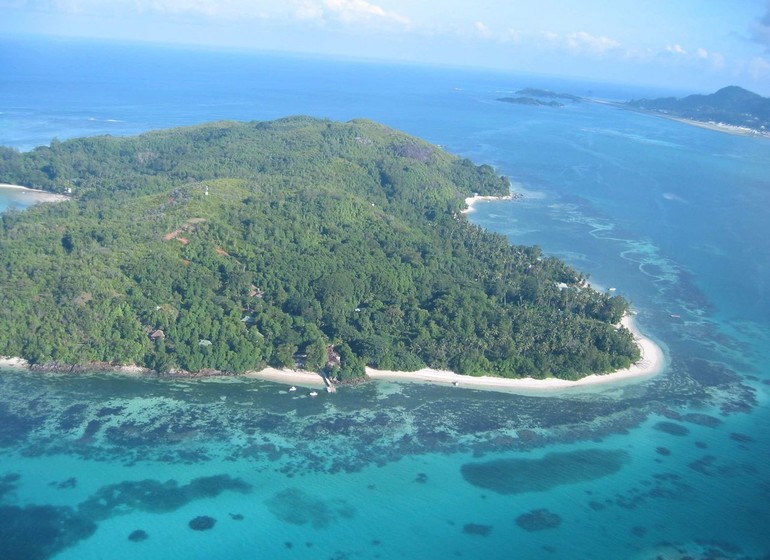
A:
<point x="329" y="387"/>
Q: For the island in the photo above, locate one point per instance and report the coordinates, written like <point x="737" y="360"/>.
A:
<point x="535" y="92"/>
<point x="299" y="243"/>
<point x="530" y="101"/>
<point x="731" y="109"/>
<point x="540" y="98"/>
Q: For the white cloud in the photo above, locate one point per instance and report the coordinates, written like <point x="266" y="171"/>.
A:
<point x="206" y="8"/>
<point x="701" y="53"/>
<point x="640" y="55"/>
<point x="551" y="38"/>
<point x="676" y="50"/>
<point x="510" y="36"/>
<point x="760" y="29"/>
<point x="308" y="10"/>
<point x="581" y="42"/>
<point x="717" y="60"/>
<point x="482" y="30"/>
<point x="585" y="42"/>
<point x="759" y="68"/>
<point x="349" y="11"/>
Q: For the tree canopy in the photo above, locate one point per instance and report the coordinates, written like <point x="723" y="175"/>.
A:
<point x="229" y="246"/>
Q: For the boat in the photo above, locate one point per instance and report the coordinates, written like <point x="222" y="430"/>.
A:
<point x="292" y="388"/>
<point x="313" y="393"/>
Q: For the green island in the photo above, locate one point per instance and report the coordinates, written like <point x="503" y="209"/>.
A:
<point x="299" y="243"/>
<point x="530" y="101"/>
<point x="731" y="105"/>
<point x="535" y="97"/>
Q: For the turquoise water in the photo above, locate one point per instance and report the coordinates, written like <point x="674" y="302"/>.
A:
<point x="670" y="215"/>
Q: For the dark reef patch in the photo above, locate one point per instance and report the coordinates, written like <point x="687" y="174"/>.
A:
<point x="711" y="374"/>
<point x="72" y="416"/>
<point x="300" y="508"/>
<point x="665" y="486"/>
<point x="40" y="532"/>
<point x="155" y="496"/>
<point x="8" y="483"/>
<point x="596" y="505"/>
<point x="638" y="531"/>
<point x="671" y="428"/>
<point x="477" y="529"/>
<point x="704" y="465"/>
<point x="14" y="428"/>
<point x="67" y="484"/>
<point x="513" y="476"/>
<point x="702" y="419"/>
<point x="538" y="519"/>
<point x="741" y="438"/>
<point x="202" y="523"/>
<point x="138" y="536"/>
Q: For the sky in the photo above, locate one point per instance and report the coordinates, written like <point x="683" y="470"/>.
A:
<point x="691" y="45"/>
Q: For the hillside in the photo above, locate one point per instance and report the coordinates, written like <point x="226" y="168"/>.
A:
<point x="730" y="105"/>
<point x="228" y="246"/>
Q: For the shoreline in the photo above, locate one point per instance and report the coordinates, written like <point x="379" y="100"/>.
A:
<point x="306" y="379"/>
<point x="37" y="194"/>
<point x="725" y="128"/>
<point x="652" y="362"/>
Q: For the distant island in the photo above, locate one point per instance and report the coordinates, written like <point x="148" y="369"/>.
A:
<point x="731" y="109"/>
<point x="533" y="96"/>
<point x="530" y="101"/>
<point x="299" y="243"/>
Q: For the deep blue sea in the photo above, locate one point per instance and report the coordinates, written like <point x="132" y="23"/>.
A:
<point x="672" y="216"/>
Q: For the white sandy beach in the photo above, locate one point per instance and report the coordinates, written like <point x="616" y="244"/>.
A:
<point x="35" y="194"/>
<point x="16" y="363"/>
<point x="306" y="379"/>
<point x="652" y="362"/>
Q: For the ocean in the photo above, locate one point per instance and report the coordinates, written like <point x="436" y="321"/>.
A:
<point x="671" y="216"/>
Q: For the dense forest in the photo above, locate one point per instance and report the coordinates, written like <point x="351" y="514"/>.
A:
<point x="297" y="243"/>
